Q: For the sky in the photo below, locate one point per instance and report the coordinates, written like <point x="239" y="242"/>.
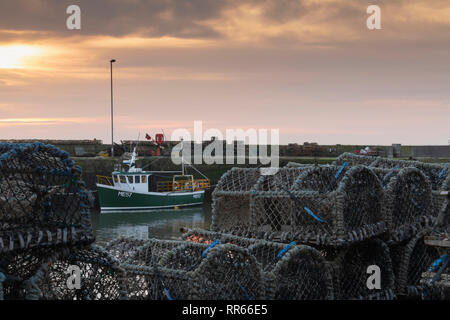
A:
<point x="310" y="68"/>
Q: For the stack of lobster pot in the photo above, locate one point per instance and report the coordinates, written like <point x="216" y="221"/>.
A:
<point x="181" y="270"/>
<point x="415" y="209"/>
<point x="338" y="210"/>
<point x="289" y="271"/>
<point x="45" y="228"/>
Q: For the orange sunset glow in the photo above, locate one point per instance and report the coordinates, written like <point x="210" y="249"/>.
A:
<point x="310" y="68"/>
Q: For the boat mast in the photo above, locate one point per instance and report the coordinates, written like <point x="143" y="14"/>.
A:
<point x="131" y="162"/>
<point x="182" y="157"/>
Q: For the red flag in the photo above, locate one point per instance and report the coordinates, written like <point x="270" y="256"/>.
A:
<point x="148" y="137"/>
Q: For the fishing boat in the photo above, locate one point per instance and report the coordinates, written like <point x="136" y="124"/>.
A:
<point x="136" y="190"/>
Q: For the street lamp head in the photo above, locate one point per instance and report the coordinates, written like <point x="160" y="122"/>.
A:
<point x="112" y="60"/>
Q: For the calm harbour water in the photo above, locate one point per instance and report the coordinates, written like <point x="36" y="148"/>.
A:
<point x="160" y="224"/>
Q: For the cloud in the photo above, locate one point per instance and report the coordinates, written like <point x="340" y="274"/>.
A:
<point x="278" y="21"/>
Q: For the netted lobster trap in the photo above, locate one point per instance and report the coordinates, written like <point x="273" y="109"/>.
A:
<point x="437" y="174"/>
<point x="327" y="205"/>
<point x="291" y="272"/>
<point x="410" y="259"/>
<point x="16" y="268"/>
<point x="294" y="272"/>
<point x="100" y="276"/>
<point x="354" y="159"/>
<point x="353" y="265"/>
<point x="144" y="279"/>
<point x="42" y="199"/>
<point x="408" y="202"/>
<point x="231" y="200"/>
<point x="193" y="271"/>
<point x="46" y="274"/>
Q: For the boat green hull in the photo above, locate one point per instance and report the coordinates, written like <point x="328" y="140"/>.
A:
<point x="114" y="200"/>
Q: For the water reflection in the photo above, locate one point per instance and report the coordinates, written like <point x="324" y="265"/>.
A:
<point x="161" y="224"/>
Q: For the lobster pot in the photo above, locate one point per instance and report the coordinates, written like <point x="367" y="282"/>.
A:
<point x="147" y="279"/>
<point x="143" y="276"/>
<point x="42" y="199"/>
<point x="326" y="205"/>
<point x="351" y="266"/>
<point x="230" y="200"/>
<point x="101" y="277"/>
<point x="222" y="272"/>
<point x="435" y="172"/>
<point x="408" y="202"/>
<point x="410" y="259"/>
<point x="16" y="268"/>
<point x="354" y="159"/>
<point x="293" y="272"/>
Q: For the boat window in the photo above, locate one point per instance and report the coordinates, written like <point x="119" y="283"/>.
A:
<point x="144" y="179"/>
<point x="137" y="179"/>
<point x="122" y="179"/>
<point x="115" y="179"/>
<point x="130" y="179"/>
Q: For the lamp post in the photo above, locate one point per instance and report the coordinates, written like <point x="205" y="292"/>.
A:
<point x="112" y="115"/>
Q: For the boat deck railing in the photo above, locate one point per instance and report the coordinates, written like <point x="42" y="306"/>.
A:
<point x="168" y="186"/>
<point x="104" y="180"/>
<point x="175" y="186"/>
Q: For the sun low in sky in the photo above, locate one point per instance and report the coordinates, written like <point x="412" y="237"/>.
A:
<point x="310" y="68"/>
<point x="16" y="56"/>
